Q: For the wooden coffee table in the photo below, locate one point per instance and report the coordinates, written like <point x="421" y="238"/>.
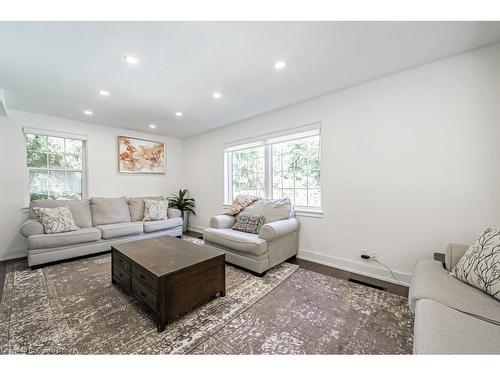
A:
<point x="169" y="275"/>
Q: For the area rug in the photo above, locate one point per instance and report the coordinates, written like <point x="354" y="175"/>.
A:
<point x="72" y="308"/>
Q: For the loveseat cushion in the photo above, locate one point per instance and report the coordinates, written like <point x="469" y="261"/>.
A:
<point x="109" y="210"/>
<point x="44" y="241"/>
<point x="120" y="229"/>
<point x="154" y="226"/>
<point x="431" y="281"/>
<point x="136" y="207"/>
<point x="271" y="209"/>
<point x="80" y="209"/>
<point x="245" y="242"/>
<point x="442" y="330"/>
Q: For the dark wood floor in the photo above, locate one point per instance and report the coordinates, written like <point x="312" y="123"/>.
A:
<point x="2" y="277"/>
<point x="353" y="277"/>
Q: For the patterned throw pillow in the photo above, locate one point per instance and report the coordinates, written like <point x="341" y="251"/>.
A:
<point x="239" y="203"/>
<point x="155" y="210"/>
<point x="249" y="223"/>
<point x="55" y="220"/>
<point x="480" y="265"/>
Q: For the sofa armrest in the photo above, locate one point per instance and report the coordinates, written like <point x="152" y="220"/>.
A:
<point x="31" y="227"/>
<point x="222" y="221"/>
<point x="454" y="252"/>
<point x="173" y="212"/>
<point x="276" y="229"/>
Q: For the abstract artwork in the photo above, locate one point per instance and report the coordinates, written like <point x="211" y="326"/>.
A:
<point x="140" y="156"/>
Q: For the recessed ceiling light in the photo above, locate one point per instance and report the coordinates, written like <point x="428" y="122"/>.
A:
<point x="217" y="95"/>
<point x="152" y="126"/>
<point x="178" y="114"/>
<point x="104" y="92"/>
<point x="131" y="59"/>
<point x="279" y="65"/>
<point x="88" y="113"/>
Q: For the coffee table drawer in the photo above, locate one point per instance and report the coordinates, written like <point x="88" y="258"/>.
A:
<point x="121" y="277"/>
<point x="144" y="277"/>
<point x="145" y="294"/>
<point x="121" y="261"/>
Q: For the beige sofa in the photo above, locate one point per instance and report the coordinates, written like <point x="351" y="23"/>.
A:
<point x="277" y="240"/>
<point x="102" y="222"/>
<point x="451" y="317"/>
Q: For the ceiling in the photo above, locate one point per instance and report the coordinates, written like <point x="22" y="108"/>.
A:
<point x="58" y="68"/>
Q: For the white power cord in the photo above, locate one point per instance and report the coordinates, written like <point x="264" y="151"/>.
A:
<point x="392" y="273"/>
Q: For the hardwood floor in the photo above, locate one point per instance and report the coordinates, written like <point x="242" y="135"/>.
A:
<point x="2" y="277"/>
<point x="353" y="277"/>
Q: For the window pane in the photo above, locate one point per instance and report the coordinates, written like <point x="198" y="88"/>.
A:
<point x="301" y="197"/>
<point x="277" y="180"/>
<point x="57" y="184"/>
<point x="289" y="193"/>
<point x="300" y="178"/>
<point x="313" y="179"/>
<point x="288" y="179"/>
<point x="314" y="198"/>
<point x="73" y="146"/>
<point x="55" y="144"/>
<point x="56" y="161"/>
<point x="277" y="193"/>
<point x="36" y="142"/>
<point x="74" y="185"/>
<point x="248" y="171"/>
<point x="38" y="184"/>
<point x="36" y="159"/>
<point x="73" y="161"/>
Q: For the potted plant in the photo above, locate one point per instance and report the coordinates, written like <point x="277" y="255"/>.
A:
<point x="183" y="204"/>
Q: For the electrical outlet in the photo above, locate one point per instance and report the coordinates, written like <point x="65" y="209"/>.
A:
<point x="364" y="252"/>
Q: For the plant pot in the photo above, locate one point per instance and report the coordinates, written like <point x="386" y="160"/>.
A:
<point x="185" y="221"/>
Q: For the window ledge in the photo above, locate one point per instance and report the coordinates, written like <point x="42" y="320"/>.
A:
<point x="301" y="212"/>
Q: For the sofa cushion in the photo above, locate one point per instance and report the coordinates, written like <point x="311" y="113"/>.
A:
<point x="430" y="280"/>
<point x="233" y="239"/>
<point x="120" y="229"/>
<point x="44" y="241"/>
<point x="80" y="209"/>
<point x="442" y="330"/>
<point x="154" y="226"/>
<point x="55" y="220"/>
<point x="109" y="210"/>
<point x="155" y="210"/>
<point x="136" y="207"/>
<point x="31" y="227"/>
<point x="480" y="265"/>
<point x="271" y="209"/>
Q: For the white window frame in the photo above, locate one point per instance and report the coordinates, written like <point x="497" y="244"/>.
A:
<point x="267" y="140"/>
<point x="51" y="133"/>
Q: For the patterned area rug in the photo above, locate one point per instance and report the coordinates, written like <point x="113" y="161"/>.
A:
<point x="72" y="308"/>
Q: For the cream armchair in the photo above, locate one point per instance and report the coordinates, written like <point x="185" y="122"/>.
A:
<point x="276" y="241"/>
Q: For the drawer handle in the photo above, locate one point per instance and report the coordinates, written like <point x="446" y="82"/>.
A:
<point x="142" y="294"/>
<point x="142" y="276"/>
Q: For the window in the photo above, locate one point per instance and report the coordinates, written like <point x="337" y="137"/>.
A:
<point x="55" y="166"/>
<point x="277" y="166"/>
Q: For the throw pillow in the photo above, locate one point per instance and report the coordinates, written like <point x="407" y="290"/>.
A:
<point x="480" y="265"/>
<point x="249" y="223"/>
<point x="55" y="220"/>
<point x="155" y="210"/>
<point x="239" y="203"/>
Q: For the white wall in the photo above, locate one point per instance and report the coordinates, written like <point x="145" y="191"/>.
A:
<point x="103" y="177"/>
<point x="410" y="162"/>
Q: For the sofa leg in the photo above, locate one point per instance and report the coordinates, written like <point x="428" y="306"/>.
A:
<point x="258" y="274"/>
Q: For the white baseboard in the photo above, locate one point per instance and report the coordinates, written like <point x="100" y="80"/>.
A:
<point x="362" y="268"/>
<point x="13" y="254"/>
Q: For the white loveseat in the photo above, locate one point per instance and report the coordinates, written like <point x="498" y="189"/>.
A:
<point x="102" y="222"/>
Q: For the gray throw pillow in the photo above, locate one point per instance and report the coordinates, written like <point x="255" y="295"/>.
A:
<point x="480" y="265"/>
<point x="55" y="220"/>
<point x="249" y="223"/>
